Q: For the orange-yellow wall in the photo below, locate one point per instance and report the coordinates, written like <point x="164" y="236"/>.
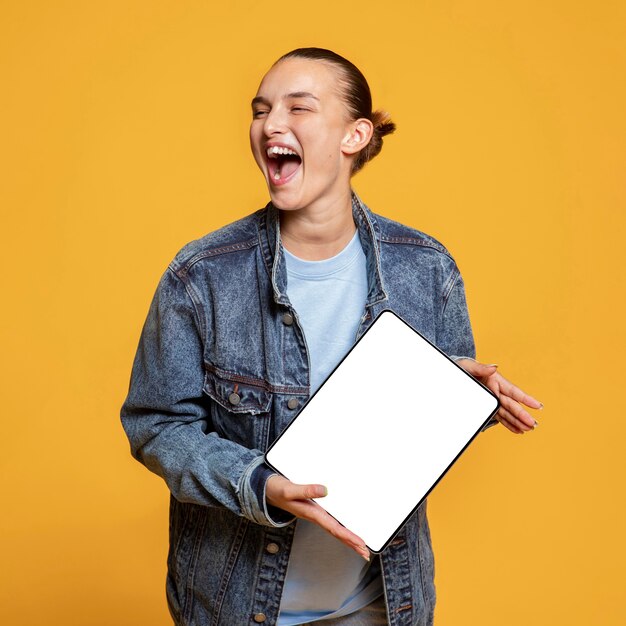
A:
<point x="123" y="133"/>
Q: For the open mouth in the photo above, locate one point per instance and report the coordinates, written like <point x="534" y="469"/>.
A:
<point x="282" y="164"/>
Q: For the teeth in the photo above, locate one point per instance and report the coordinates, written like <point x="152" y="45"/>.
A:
<point x="279" y="150"/>
<point x="277" y="175"/>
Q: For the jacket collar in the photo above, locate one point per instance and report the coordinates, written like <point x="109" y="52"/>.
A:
<point x="369" y="234"/>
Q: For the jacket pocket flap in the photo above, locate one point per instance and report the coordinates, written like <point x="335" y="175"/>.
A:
<point x="234" y="395"/>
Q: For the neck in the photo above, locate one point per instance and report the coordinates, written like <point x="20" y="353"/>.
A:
<point x="315" y="233"/>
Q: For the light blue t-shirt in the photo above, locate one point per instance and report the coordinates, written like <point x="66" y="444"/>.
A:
<point x="325" y="578"/>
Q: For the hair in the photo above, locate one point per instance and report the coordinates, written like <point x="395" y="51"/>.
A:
<point x="358" y="98"/>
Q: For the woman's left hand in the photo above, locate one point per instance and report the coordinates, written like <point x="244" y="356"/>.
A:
<point x="510" y="414"/>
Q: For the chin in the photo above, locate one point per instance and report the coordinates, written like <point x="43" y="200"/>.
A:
<point x="284" y="201"/>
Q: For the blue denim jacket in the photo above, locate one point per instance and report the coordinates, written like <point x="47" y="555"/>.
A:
<point x="221" y="369"/>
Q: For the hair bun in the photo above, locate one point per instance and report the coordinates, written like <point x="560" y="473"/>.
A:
<point x="382" y="123"/>
<point x="382" y="126"/>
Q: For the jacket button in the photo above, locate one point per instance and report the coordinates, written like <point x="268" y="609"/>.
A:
<point x="272" y="548"/>
<point x="292" y="403"/>
<point x="259" y="618"/>
<point x="288" y="319"/>
<point x="234" y="398"/>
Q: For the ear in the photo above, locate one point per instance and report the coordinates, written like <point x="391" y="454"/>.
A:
<point x="358" y="136"/>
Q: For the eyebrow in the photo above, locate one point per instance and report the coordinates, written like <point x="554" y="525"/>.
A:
<point x="293" y="94"/>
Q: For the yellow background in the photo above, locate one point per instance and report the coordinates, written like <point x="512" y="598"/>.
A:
<point x="123" y="132"/>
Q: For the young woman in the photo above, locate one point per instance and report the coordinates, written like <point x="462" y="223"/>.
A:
<point x="246" y="323"/>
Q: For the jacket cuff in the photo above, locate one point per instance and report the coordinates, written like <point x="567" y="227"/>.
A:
<point x="252" y="496"/>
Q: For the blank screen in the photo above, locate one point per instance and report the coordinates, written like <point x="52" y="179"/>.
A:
<point x="382" y="429"/>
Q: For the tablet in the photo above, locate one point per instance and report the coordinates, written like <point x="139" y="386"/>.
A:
<point x="383" y="429"/>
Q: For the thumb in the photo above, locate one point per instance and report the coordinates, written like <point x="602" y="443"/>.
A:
<point x="318" y="491"/>
<point x="486" y="369"/>
<point x="310" y="491"/>
<point x="482" y="369"/>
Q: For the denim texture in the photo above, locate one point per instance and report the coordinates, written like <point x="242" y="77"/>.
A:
<point x="216" y="365"/>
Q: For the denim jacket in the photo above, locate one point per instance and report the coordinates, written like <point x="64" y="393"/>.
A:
<point x="221" y="369"/>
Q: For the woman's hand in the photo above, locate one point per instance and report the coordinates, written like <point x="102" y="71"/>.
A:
<point x="296" y="499"/>
<point x="510" y="414"/>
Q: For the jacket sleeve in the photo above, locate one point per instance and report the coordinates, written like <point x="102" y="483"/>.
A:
<point x="167" y="417"/>
<point x="455" y="335"/>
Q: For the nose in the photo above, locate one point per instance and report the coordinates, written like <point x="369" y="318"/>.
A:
<point x="275" y="122"/>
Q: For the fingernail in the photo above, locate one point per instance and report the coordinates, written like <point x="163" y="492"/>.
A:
<point x="536" y="424"/>
<point x="540" y="406"/>
<point x="492" y="365"/>
<point x="324" y="492"/>
<point x="362" y="550"/>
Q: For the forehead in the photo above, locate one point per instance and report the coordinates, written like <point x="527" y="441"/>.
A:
<point x="299" y="75"/>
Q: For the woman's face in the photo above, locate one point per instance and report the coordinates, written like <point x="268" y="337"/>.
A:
<point x="298" y="108"/>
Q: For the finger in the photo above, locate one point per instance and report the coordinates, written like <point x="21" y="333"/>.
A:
<point x="293" y="491"/>
<point x="341" y="533"/>
<point x="517" y="394"/>
<point x="313" y="512"/>
<point x="514" y="408"/>
<point x="500" y="417"/>
<point x="282" y="488"/>
<point x="281" y="492"/>
<point x="322" y="518"/>
<point x="506" y="418"/>
<point x="477" y="369"/>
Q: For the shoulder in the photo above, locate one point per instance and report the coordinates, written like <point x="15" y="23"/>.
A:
<point x="414" y="242"/>
<point x="242" y="234"/>
<point x="392" y="232"/>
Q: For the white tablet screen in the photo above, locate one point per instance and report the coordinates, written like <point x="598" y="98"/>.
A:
<point x="383" y="429"/>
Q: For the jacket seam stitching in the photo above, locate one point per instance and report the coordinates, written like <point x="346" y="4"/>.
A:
<point x="192" y="570"/>
<point x="391" y="617"/>
<point x="268" y="269"/>
<point x="420" y="561"/>
<point x="191" y="294"/>
<point x="416" y="242"/>
<point x="371" y="223"/>
<point x="232" y="558"/>
<point x="184" y="513"/>
<point x="233" y="247"/>
<point x="448" y="287"/>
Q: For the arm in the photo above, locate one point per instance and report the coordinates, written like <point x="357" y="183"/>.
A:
<point x="167" y="418"/>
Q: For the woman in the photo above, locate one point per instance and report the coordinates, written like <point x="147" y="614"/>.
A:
<point x="245" y="325"/>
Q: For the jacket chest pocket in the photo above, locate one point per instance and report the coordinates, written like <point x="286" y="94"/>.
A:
<point x="240" y="409"/>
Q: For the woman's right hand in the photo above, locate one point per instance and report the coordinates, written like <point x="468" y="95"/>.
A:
<point x="297" y="499"/>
